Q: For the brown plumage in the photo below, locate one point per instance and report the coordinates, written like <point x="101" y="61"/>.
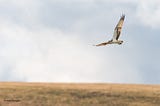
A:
<point x="116" y="34"/>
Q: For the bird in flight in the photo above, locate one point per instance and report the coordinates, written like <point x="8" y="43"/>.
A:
<point x="116" y="34"/>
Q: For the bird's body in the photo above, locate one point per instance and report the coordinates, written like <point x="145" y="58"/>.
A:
<point x="116" y="34"/>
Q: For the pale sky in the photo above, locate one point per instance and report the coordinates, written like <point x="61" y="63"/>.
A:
<point x="51" y="41"/>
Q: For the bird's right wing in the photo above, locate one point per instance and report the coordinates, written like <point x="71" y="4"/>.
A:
<point x="118" y="28"/>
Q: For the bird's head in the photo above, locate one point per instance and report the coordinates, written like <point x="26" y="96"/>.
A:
<point x="120" y="42"/>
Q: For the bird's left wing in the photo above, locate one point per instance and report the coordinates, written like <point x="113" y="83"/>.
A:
<point x="118" y="28"/>
<point x="103" y="44"/>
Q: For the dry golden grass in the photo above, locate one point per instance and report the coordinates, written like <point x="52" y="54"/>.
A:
<point x="60" y="94"/>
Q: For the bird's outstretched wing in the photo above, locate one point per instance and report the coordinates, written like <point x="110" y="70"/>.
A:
<point x="118" y="28"/>
<point x="103" y="44"/>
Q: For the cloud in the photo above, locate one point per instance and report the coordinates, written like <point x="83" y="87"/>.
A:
<point x="45" y="55"/>
<point x="50" y="55"/>
<point x="148" y="13"/>
<point x="51" y="41"/>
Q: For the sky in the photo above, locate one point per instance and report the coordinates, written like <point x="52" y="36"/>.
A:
<point x="51" y="41"/>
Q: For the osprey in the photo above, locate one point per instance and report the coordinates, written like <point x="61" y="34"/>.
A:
<point x="116" y="34"/>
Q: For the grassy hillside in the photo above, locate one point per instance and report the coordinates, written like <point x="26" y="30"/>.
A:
<point x="55" y="94"/>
